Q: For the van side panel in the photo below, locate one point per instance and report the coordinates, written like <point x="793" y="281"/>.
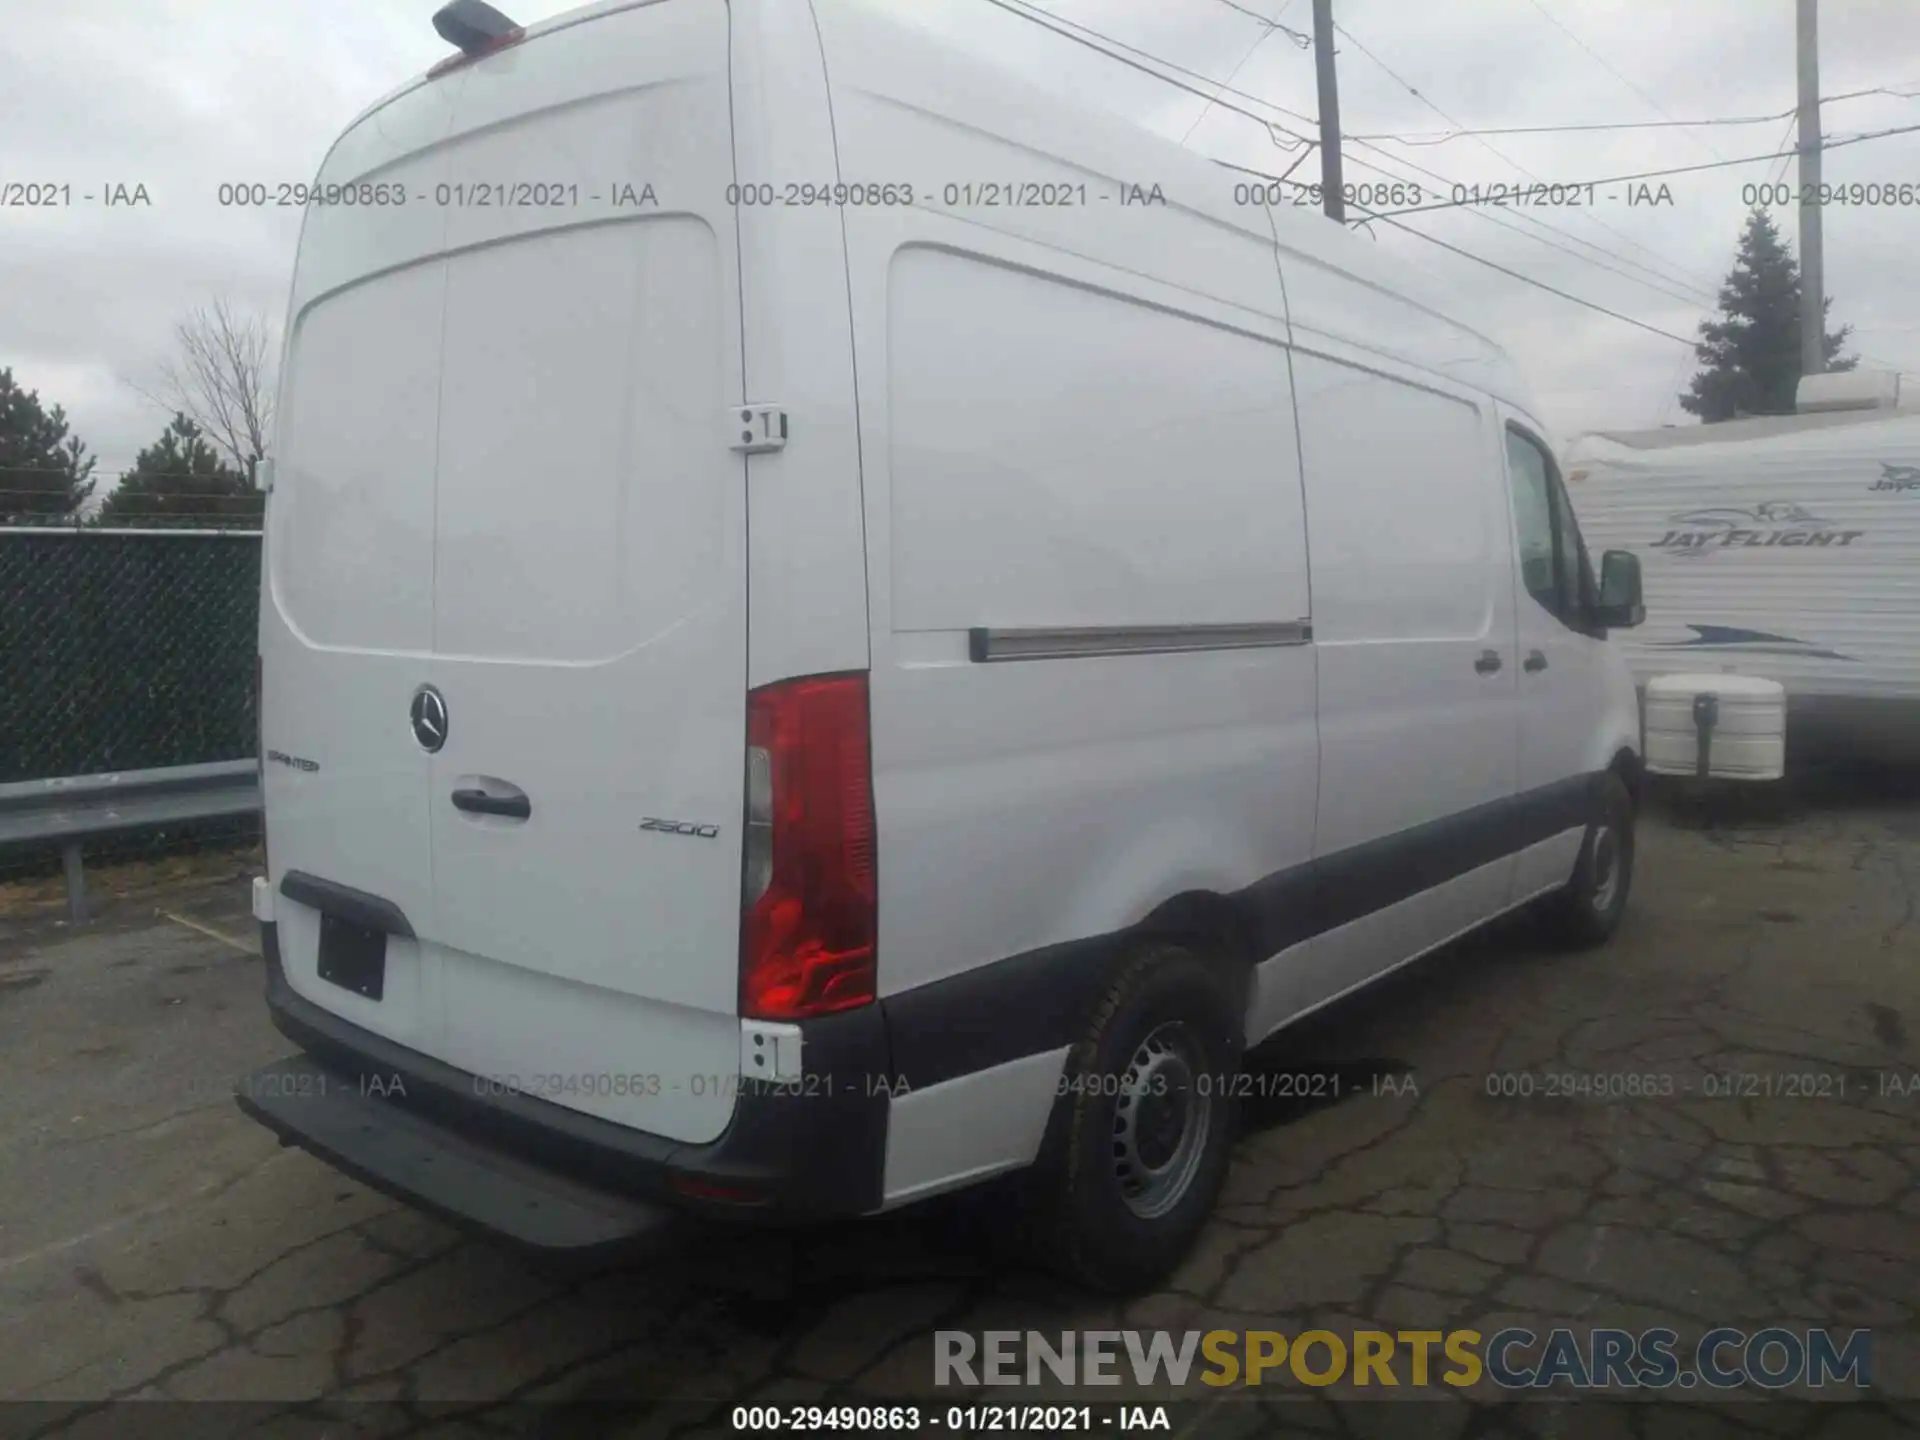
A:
<point x="1115" y="467"/>
<point x="1409" y="557"/>
<point x="1577" y="708"/>
<point x="1155" y="486"/>
<point x="1037" y="388"/>
<point x="807" y="581"/>
<point x="1072" y="418"/>
<point x="1412" y="581"/>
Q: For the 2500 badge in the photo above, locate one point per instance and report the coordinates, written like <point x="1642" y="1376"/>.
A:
<point x="679" y="827"/>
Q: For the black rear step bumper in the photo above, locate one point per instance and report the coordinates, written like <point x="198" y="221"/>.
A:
<point x="403" y="1122"/>
<point x="441" y="1170"/>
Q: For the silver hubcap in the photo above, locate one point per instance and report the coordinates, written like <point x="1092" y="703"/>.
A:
<point x="1606" y="867"/>
<point x="1160" y="1123"/>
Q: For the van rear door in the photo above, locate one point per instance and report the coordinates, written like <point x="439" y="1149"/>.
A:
<point x="581" y="518"/>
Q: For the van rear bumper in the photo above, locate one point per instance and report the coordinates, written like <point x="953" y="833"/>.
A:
<point x="814" y="1151"/>
<point x="437" y="1169"/>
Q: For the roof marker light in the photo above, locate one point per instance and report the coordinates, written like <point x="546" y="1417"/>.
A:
<point x="476" y="29"/>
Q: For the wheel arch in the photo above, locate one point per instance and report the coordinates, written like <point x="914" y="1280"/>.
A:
<point x="1631" y="769"/>
<point x="1215" y="927"/>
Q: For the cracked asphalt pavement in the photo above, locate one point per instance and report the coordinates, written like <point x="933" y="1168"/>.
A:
<point x="156" y="1244"/>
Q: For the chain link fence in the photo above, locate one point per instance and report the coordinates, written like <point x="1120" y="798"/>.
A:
<point x="126" y="649"/>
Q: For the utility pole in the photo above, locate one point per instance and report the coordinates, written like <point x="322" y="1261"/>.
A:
<point x="1813" y="289"/>
<point x="1332" y="192"/>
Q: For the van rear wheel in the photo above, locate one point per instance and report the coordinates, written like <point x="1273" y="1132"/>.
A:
<point x="1588" y="910"/>
<point x="1143" y="1132"/>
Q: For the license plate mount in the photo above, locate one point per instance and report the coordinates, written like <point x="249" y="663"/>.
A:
<point x="353" y="957"/>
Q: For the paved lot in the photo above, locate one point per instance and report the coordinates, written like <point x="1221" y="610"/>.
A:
<point x="154" y="1243"/>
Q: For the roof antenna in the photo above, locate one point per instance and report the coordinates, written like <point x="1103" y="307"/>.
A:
<point x="474" y="27"/>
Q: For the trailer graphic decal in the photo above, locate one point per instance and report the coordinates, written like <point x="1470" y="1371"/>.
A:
<point x="1772" y="522"/>
<point x="1897" y="477"/>
<point x="1748" y="642"/>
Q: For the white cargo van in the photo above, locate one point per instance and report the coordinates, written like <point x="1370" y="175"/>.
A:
<point x="835" y="627"/>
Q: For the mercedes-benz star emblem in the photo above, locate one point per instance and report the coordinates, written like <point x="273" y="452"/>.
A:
<point x="429" y="715"/>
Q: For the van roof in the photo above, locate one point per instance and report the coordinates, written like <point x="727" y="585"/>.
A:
<point x="1472" y="357"/>
<point x="561" y="21"/>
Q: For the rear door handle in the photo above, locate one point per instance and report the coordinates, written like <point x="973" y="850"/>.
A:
<point x="1534" y="661"/>
<point x="479" y="802"/>
<point x="1488" y="662"/>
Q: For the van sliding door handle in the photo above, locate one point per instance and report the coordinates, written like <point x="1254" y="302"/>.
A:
<point x="1534" y="661"/>
<point x="1488" y="662"/>
<point x="479" y="802"/>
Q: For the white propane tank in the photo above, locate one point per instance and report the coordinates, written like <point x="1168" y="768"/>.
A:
<point x="1740" y="719"/>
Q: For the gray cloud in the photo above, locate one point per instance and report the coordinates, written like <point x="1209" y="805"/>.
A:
<point x="181" y="95"/>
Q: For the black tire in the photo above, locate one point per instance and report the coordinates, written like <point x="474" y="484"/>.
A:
<point x="1588" y="910"/>
<point x="1118" y="1204"/>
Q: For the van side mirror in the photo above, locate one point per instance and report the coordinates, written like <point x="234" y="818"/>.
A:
<point x="1620" y="607"/>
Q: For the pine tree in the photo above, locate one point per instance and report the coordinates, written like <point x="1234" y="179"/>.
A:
<point x="44" y="470"/>
<point x="181" y="479"/>
<point x="1750" y="356"/>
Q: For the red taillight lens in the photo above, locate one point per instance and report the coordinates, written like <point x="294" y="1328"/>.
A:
<point x="807" y="945"/>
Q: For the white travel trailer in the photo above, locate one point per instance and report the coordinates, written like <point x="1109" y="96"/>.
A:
<point x="1783" y="547"/>
<point x="835" y="626"/>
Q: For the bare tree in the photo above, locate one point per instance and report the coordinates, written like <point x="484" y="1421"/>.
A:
<point x="222" y="380"/>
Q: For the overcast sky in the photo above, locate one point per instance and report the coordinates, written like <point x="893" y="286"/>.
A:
<point x="182" y="95"/>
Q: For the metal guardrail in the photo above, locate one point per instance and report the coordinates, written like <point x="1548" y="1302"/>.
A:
<point x="68" y="810"/>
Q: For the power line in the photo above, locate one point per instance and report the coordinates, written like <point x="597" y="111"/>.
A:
<point x="1672" y="282"/>
<point x="1673" y="389"/>
<point x="1696" y="290"/>
<point x="1491" y="150"/>
<point x="1055" y="23"/>
<point x="1234" y="73"/>
<point x="1660" y="284"/>
<point x="1666" y="334"/>
<point x="1673" y="287"/>
<point x="1492" y="265"/>
<point x="1226" y="87"/>
<point x="1275" y="131"/>
<point x="1607" y="65"/>
<point x="1025" y="10"/>
<point x="1303" y="41"/>
<point x="1683" y="169"/>
<point x="1698" y="285"/>
<point x="1442" y="137"/>
<point x="1786" y="154"/>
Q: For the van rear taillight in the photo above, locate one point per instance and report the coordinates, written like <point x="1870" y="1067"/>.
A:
<point x="807" y="944"/>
